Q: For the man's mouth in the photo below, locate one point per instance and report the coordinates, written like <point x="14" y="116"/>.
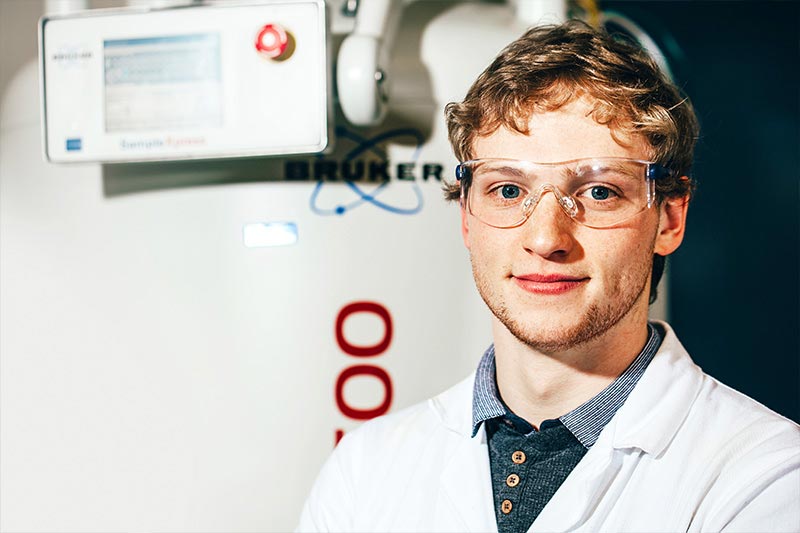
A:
<point x="549" y="283"/>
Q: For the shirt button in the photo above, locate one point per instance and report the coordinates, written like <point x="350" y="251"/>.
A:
<point x="518" y="457"/>
<point x="506" y="506"/>
<point x="512" y="480"/>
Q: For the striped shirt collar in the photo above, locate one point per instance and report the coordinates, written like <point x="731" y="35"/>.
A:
<point x="585" y="421"/>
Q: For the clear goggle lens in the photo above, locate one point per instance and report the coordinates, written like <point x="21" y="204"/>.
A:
<point x="596" y="192"/>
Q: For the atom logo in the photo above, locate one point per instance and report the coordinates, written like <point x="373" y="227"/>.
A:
<point x="370" y="197"/>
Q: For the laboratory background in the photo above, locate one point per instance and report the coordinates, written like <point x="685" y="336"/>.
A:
<point x="223" y="242"/>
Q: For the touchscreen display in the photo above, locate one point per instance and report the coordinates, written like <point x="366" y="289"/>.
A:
<point x="163" y="83"/>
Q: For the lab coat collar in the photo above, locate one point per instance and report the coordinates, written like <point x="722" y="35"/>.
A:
<point x="454" y="407"/>
<point x="656" y="408"/>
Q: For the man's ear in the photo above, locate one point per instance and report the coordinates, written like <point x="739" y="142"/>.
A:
<point x="464" y="227"/>
<point x="671" y="224"/>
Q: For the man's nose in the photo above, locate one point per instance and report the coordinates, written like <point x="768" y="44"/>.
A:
<point x="548" y="230"/>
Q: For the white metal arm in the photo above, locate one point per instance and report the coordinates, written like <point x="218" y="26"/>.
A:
<point x="362" y="77"/>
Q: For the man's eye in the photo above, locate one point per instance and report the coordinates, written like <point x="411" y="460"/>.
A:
<point x="510" y="192"/>
<point x="599" y="192"/>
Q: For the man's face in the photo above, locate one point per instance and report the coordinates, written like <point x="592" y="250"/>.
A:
<point x="553" y="283"/>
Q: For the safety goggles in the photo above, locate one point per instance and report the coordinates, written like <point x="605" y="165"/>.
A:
<point x="597" y="192"/>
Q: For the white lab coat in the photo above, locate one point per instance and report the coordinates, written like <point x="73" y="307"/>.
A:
<point x="684" y="453"/>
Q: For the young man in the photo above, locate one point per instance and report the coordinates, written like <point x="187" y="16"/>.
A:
<point x="583" y="416"/>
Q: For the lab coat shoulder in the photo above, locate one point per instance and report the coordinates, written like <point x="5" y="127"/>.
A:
<point x="707" y="457"/>
<point x="749" y="459"/>
<point x="368" y="482"/>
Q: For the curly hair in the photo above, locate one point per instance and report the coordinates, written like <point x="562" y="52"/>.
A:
<point x="550" y="66"/>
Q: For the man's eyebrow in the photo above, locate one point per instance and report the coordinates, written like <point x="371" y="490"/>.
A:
<point x="569" y="172"/>
<point x="617" y="166"/>
<point x="507" y="170"/>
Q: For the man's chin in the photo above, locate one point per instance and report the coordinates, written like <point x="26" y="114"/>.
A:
<point x="551" y="341"/>
<point x="554" y="333"/>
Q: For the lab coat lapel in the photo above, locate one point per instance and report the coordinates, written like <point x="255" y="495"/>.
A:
<point x="661" y="400"/>
<point x="465" y="500"/>
<point x="580" y="495"/>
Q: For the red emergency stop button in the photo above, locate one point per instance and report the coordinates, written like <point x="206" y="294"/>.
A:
<point x="274" y="42"/>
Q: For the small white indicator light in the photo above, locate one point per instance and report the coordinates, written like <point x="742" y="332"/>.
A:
<point x="261" y="234"/>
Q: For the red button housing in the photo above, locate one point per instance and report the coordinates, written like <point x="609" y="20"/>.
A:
<point x="272" y="41"/>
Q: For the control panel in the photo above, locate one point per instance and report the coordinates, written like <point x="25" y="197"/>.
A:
<point x="210" y="81"/>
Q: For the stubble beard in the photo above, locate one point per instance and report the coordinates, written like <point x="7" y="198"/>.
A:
<point x="593" y="322"/>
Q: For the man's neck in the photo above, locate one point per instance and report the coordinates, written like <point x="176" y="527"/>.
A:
<point x="540" y="386"/>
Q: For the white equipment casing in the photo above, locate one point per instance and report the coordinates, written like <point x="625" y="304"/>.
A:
<point x="182" y="343"/>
